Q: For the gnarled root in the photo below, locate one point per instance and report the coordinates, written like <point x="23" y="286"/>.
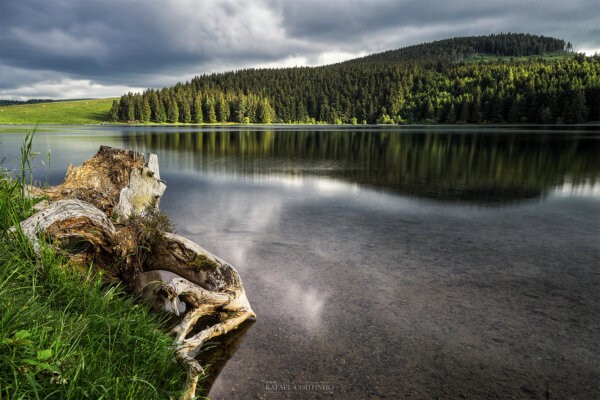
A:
<point x="69" y="220"/>
<point x="116" y="185"/>
<point x="193" y="369"/>
<point x="216" y="289"/>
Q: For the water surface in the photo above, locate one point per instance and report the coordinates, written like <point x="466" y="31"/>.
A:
<point x="386" y="263"/>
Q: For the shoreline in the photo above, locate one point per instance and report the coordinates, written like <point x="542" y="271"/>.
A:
<point x="300" y="125"/>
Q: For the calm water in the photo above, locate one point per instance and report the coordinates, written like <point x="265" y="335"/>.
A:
<point x="386" y="263"/>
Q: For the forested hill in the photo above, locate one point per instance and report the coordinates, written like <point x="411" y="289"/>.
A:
<point x="459" y="48"/>
<point x="523" y="79"/>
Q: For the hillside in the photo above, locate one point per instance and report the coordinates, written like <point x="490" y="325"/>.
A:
<point x="459" y="48"/>
<point x="439" y="82"/>
<point x="89" y="111"/>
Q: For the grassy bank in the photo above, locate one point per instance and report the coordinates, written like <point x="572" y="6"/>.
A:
<point x="58" y="112"/>
<point x="65" y="335"/>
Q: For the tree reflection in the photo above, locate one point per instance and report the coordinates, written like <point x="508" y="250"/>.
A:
<point x="473" y="166"/>
<point x="215" y="355"/>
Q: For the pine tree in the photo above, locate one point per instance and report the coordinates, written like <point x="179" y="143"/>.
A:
<point x="138" y="108"/>
<point x="131" y="107"/>
<point x="515" y="112"/>
<point x="146" y="111"/>
<point x="197" y="116"/>
<point x="577" y="109"/>
<point x="209" y="106"/>
<point x="428" y="111"/>
<point x="221" y="108"/>
<point x="114" y="111"/>
<point x="124" y="108"/>
<point x="545" y="116"/>
<point x="185" y="113"/>
<point x="172" y="111"/>
<point x="158" y="114"/>
<point x="241" y="109"/>
<point x="495" y="115"/>
<point x="451" y="116"/>
<point x="264" y="112"/>
<point x="464" y="112"/>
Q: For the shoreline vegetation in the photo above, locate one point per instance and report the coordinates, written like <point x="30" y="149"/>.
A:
<point x="494" y="79"/>
<point x="95" y="112"/>
<point x="63" y="332"/>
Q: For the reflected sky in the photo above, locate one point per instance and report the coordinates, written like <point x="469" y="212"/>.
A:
<point x="392" y="264"/>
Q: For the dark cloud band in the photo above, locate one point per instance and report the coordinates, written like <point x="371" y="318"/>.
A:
<point x="153" y="43"/>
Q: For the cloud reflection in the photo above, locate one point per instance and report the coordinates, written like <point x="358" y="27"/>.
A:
<point x="591" y="188"/>
<point x="308" y="302"/>
<point x="245" y="218"/>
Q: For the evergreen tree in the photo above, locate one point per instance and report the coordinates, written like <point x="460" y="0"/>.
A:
<point x="496" y="112"/>
<point x="545" y="116"/>
<point x="138" y="108"/>
<point x="241" y="106"/>
<point x="265" y="112"/>
<point x="114" y="111"/>
<point x="428" y="111"/>
<point x="451" y="115"/>
<point x="131" y="107"/>
<point x="157" y="114"/>
<point x="209" y="106"/>
<point x="185" y="112"/>
<point x="221" y="108"/>
<point x="515" y="113"/>
<point x="197" y="116"/>
<point x="172" y="111"/>
<point x="464" y="112"/>
<point x="577" y="110"/>
<point x="146" y="111"/>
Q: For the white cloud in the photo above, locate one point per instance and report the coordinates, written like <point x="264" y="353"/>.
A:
<point x="332" y="57"/>
<point x="66" y="89"/>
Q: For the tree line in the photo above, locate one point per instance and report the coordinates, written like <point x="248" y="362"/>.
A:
<point x="185" y="104"/>
<point x="564" y="88"/>
<point x="459" y="48"/>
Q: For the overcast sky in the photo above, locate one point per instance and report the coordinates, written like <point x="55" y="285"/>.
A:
<point x="88" y="48"/>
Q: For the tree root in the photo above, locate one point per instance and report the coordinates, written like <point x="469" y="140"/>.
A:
<point x="173" y="273"/>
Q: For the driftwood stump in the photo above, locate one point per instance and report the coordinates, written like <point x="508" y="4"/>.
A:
<point x="106" y="213"/>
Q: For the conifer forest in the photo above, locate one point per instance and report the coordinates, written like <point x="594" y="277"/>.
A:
<point x="504" y="78"/>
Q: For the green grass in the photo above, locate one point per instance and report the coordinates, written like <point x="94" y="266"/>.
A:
<point x="93" y="111"/>
<point x="66" y="335"/>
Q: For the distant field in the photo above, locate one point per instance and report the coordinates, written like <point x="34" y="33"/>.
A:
<point x="59" y="112"/>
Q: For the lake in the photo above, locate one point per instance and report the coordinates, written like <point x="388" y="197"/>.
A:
<point x="385" y="262"/>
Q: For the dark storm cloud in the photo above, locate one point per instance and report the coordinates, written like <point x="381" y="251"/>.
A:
<point x="141" y="43"/>
<point x="403" y="23"/>
<point x="125" y="42"/>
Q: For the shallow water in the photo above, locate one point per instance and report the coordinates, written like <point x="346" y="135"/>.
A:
<point x="386" y="263"/>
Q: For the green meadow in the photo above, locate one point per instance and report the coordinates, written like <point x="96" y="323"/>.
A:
<point x="90" y="111"/>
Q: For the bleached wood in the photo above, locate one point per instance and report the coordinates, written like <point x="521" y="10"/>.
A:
<point x="176" y="275"/>
<point x="93" y="223"/>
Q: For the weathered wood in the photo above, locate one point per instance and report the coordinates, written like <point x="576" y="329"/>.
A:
<point x="170" y="271"/>
<point x="84" y="232"/>
<point x="142" y="195"/>
<point x="149" y="284"/>
<point x="113" y="178"/>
